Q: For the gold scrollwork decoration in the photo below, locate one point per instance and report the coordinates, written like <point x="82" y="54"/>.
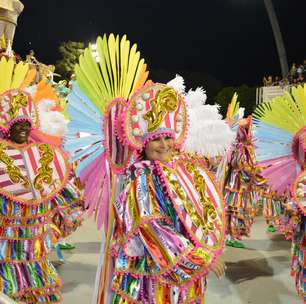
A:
<point x="209" y="213"/>
<point x="18" y="101"/>
<point x="44" y="171"/>
<point x="165" y="101"/>
<point x="12" y="170"/>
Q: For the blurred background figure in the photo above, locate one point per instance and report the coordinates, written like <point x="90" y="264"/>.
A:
<point x="9" y="13"/>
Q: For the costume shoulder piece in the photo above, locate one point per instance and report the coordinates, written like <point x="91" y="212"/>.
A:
<point x="32" y="173"/>
<point x="197" y="200"/>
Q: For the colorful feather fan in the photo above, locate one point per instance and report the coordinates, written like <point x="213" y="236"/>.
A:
<point x="106" y="76"/>
<point x="280" y="126"/>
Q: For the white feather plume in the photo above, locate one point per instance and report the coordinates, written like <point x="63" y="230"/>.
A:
<point x="196" y="98"/>
<point x="51" y="122"/>
<point x="178" y="84"/>
<point x="209" y="134"/>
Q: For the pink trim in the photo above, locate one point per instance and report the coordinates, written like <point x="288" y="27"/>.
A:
<point x="157" y="134"/>
<point x="105" y="142"/>
<point x="204" y="270"/>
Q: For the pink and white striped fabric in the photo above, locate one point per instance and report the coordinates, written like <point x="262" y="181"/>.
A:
<point x="212" y="240"/>
<point x="26" y="162"/>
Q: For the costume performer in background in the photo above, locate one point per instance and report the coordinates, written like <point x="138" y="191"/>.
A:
<point x="165" y="229"/>
<point x="280" y="132"/>
<point x="239" y="177"/>
<point x="35" y="192"/>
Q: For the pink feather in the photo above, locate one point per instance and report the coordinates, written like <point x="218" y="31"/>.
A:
<point x="280" y="173"/>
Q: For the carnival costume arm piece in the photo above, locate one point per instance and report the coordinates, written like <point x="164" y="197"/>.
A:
<point x="156" y="232"/>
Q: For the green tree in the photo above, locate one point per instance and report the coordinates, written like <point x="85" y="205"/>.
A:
<point x="246" y="96"/>
<point x="70" y="52"/>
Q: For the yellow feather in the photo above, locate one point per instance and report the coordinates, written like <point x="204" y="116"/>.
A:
<point x="138" y="74"/>
<point x="106" y="82"/>
<point x="133" y="62"/>
<point x="124" y="58"/>
<point x="21" y="70"/>
<point x="105" y="54"/>
<point x="29" y="78"/>
<point x="6" y="73"/>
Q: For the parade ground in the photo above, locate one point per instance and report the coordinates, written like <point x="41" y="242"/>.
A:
<point x="258" y="274"/>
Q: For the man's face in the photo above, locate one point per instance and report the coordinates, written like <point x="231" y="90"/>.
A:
<point x="19" y="132"/>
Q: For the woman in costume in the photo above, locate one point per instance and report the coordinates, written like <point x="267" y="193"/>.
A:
<point x="35" y="191"/>
<point x="280" y="131"/>
<point x="164" y="217"/>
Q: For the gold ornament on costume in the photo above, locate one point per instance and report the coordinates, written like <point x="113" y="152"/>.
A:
<point x="13" y="171"/>
<point x="165" y="101"/>
<point x="18" y="102"/>
<point x="44" y="171"/>
<point x="209" y="213"/>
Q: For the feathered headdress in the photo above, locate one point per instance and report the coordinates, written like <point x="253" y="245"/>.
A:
<point x="19" y="102"/>
<point x="280" y="130"/>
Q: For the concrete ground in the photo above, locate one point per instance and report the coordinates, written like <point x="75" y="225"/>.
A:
<point x="256" y="275"/>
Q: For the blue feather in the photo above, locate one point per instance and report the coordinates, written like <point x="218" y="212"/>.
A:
<point x="78" y="111"/>
<point x="88" y="151"/>
<point x="75" y="144"/>
<point x="78" y="92"/>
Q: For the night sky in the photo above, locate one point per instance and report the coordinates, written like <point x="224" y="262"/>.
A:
<point x="230" y="40"/>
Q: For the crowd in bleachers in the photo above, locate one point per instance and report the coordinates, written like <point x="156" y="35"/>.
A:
<point x="296" y="76"/>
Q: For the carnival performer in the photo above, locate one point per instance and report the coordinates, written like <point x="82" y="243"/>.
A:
<point x="239" y="177"/>
<point x="35" y="192"/>
<point x="280" y="132"/>
<point x="272" y="207"/>
<point x="164" y="216"/>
